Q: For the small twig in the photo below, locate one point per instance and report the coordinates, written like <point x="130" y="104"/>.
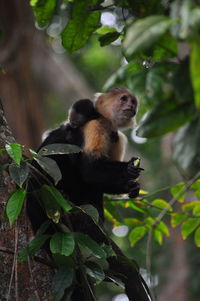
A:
<point x="16" y="264"/>
<point x="148" y="263"/>
<point x="14" y="267"/>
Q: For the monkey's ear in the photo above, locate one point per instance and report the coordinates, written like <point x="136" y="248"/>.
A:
<point x="97" y="95"/>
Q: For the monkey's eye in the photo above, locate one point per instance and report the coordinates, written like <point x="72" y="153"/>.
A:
<point x="124" y="98"/>
<point x="134" y="101"/>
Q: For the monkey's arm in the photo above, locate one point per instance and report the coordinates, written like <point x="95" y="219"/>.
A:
<point x="109" y="176"/>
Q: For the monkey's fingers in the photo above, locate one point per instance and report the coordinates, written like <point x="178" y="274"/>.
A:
<point x="134" y="191"/>
<point x="134" y="172"/>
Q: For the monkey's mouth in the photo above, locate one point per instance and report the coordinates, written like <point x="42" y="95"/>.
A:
<point x="129" y="113"/>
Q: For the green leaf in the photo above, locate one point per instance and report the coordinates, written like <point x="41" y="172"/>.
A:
<point x="158" y="236"/>
<point x="197" y="237"/>
<point x="162" y="204"/>
<point x="80" y="27"/>
<point x="195" y="70"/>
<point x="62" y="243"/>
<point x="43" y="11"/>
<point x="196" y="210"/>
<point x="91" y="211"/>
<point x="94" y="270"/>
<point x="136" y="234"/>
<point x="108" y="38"/>
<point x="144" y="33"/>
<point x="162" y="227"/>
<point x="132" y="221"/>
<point x="189" y="226"/>
<point x="15" y="152"/>
<point x="190" y="205"/>
<point x="177" y="218"/>
<point x="32" y="247"/>
<point x="165" y="48"/>
<point x="58" y="149"/>
<point x="88" y="243"/>
<point x="165" y="117"/>
<point x="186" y="146"/>
<point x="114" y="212"/>
<point x="63" y="279"/>
<point x="176" y="192"/>
<point x="20" y="173"/>
<point x="131" y="204"/>
<point x="14" y="205"/>
<point x="55" y="196"/>
<point x="104" y="30"/>
<point x="50" y="167"/>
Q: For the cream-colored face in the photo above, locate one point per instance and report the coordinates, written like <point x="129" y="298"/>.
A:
<point x="120" y="108"/>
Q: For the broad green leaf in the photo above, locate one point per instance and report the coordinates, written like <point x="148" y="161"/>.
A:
<point x="51" y="207"/>
<point x="189" y="226"/>
<point x="88" y="243"/>
<point x="94" y="270"/>
<point x="143" y="33"/>
<point x="158" y="236"/>
<point x="196" y="210"/>
<point x="80" y="27"/>
<point x="165" y="117"/>
<point x="43" y="11"/>
<point x="14" y="205"/>
<point x="176" y="192"/>
<point x="58" y="149"/>
<point x="136" y="234"/>
<point x="195" y="70"/>
<point x="190" y="205"/>
<point x="177" y="218"/>
<point x="15" y="152"/>
<point x="162" y="227"/>
<point x="55" y="196"/>
<point x="50" y="167"/>
<point x="91" y="211"/>
<point x="166" y="47"/>
<point x="18" y="173"/>
<point x="162" y="204"/>
<point x="108" y="250"/>
<point x="62" y="243"/>
<point x="197" y="237"/>
<point x="108" y="38"/>
<point x="32" y="247"/>
<point x="62" y="280"/>
<point x="186" y="146"/>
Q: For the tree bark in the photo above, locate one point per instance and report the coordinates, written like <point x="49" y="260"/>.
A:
<point x="29" y="280"/>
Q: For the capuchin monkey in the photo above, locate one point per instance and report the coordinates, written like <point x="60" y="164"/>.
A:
<point x="87" y="175"/>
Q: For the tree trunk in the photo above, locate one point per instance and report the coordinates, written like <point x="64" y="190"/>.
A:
<point x="29" y="280"/>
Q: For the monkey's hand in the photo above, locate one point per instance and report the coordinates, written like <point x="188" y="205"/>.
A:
<point x="134" y="168"/>
<point x="134" y="189"/>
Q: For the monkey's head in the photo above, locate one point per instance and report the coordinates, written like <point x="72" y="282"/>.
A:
<point x="119" y="106"/>
<point x="82" y="111"/>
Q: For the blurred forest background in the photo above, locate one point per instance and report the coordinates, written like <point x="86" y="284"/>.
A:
<point x="39" y="80"/>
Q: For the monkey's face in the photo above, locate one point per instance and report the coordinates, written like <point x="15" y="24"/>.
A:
<point x="124" y="108"/>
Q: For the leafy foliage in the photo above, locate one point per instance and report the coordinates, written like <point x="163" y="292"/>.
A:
<point x="160" y="48"/>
